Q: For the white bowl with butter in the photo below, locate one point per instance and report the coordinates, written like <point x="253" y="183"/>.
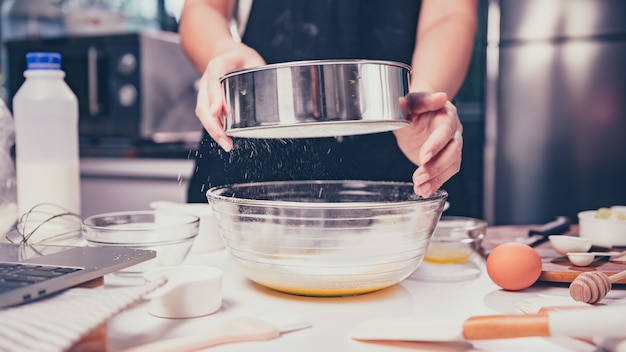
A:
<point x="604" y="225"/>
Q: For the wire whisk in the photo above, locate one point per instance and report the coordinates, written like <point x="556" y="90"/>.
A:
<point x="47" y="222"/>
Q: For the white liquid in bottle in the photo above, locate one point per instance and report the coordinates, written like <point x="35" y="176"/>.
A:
<point x="46" y="138"/>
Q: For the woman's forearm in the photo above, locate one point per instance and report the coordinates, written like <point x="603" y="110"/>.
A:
<point x="444" y="44"/>
<point x="204" y="30"/>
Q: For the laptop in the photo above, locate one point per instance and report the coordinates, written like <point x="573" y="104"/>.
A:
<point x="29" y="272"/>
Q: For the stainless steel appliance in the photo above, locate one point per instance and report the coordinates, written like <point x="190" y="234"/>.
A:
<point x="556" y="108"/>
<point x="318" y="98"/>
<point x="138" y="85"/>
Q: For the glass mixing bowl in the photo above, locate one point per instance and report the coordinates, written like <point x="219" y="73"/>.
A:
<point x="326" y="238"/>
<point x="170" y="234"/>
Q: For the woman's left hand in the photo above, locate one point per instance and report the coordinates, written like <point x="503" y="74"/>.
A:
<point x="433" y="140"/>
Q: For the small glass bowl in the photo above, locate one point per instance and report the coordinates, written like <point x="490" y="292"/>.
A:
<point x="455" y="239"/>
<point x="170" y="234"/>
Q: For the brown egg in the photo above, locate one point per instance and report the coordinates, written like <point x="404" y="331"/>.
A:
<point x="514" y="266"/>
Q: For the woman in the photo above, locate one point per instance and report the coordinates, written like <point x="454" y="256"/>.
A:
<point x="435" y="37"/>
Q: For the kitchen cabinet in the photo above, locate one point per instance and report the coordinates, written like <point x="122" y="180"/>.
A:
<point x="119" y="184"/>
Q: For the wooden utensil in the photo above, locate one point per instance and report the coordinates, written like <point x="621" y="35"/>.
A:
<point x="582" y="322"/>
<point x="560" y="269"/>
<point x="592" y="287"/>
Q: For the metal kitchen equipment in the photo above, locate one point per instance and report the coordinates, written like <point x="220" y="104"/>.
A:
<point x="131" y="85"/>
<point x="315" y="99"/>
<point x="560" y="86"/>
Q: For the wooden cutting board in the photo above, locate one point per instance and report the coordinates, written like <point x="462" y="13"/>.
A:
<point x="559" y="269"/>
<point x="556" y="268"/>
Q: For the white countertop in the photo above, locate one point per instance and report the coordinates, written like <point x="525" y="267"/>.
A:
<point x="333" y="318"/>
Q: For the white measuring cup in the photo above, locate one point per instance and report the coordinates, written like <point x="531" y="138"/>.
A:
<point x="190" y="291"/>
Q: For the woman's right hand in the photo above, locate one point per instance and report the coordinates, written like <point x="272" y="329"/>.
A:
<point x="210" y="107"/>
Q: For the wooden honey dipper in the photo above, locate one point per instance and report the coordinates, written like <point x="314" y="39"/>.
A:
<point x="592" y="287"/>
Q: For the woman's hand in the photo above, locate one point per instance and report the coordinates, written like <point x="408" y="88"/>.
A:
<point x="432" y="141"/>
<point x="210" y="107"/>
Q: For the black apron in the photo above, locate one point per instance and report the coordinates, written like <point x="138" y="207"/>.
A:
<point x="293" y="30"/>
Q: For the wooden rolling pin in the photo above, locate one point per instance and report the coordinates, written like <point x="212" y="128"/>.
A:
<point x="579" y="323"/>
<point x="592" y="287"/>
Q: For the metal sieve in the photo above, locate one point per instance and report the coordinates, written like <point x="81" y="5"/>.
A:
<point x="321" y="98"/>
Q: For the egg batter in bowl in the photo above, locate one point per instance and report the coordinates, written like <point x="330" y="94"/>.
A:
<point x="326" y="238"/>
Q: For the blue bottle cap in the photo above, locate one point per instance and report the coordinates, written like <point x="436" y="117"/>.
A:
<point x="43" y="61"/>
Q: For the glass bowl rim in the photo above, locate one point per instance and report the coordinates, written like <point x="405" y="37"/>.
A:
<point x="214" y="194"/>
<point x="186" y="219"/>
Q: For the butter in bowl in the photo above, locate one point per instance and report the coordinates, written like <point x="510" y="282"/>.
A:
<point x="454" y="243"/>
<point x="455" y="240"/>
<point x="606" y="226"/>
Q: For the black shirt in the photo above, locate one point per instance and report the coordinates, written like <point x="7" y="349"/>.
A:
<point x="293" y="30"/>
